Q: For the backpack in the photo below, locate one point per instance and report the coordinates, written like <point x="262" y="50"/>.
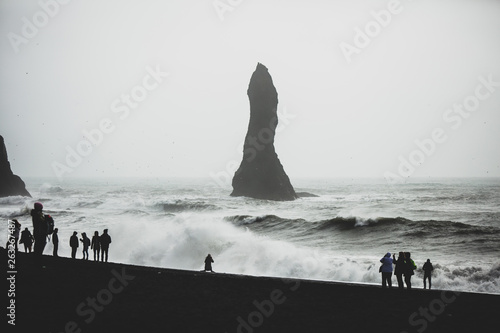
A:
<point x="50" y="224"/>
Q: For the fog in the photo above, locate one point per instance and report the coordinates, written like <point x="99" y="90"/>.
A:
<point x="158" y="88"/>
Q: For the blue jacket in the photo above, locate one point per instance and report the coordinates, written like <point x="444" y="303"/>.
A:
<point x="386" y="263"/>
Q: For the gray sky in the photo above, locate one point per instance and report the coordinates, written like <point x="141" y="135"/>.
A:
<point x="359" y="84"/>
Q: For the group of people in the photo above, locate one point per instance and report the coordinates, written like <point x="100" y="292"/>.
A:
<point x="99" y="244"/>
<point x="43" y="229"/>
<point x="403" y="266"/>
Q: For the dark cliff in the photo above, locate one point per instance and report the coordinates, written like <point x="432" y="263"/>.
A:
<point x="261" y="174"/>
<point x="10" y="184"/>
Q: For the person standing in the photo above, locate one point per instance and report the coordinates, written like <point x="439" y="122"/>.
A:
<point x="55" y="242"/>
<point x="86" y="243"/>
<point x="208" y="263"/>
<point x="409" y="268"/>
<point x="105" y="241"/>
<point x="39" y="230"/>
<point x="26" y="240"/>
<point x="96" y="245"/>
<point x="386" y="270"/>
<point x="73" y="242"/>
<point x="399" y="268"/>
<point x="428" y="268"/>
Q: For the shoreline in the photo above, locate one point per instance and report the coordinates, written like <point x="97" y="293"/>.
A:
<point x="73" y="295"/>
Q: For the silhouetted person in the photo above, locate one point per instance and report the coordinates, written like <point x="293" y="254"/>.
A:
<point x="86" y="243"/>
<point x="386" y="270"/>
<point x="26" y="240"/>
<point x="208" y="263"/>
<point x="96" y="245"/>
<point x="427" y="272"/>
<point x="399" y="268"/>
<point x="105" y="241"/>
<point x="73" y="242"/>
<point x="55" y="242"/>
<point x="410" y="267"/>
<point x="39" y="230"/>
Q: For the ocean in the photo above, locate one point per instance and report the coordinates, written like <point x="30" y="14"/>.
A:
<point x="338" y="236"/>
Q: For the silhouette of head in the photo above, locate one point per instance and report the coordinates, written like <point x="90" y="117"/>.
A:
<point x="56" y="230"/>
<point x="38" y="206"/>
<point x="96" y="233"/>
<point x="75" y="233"/>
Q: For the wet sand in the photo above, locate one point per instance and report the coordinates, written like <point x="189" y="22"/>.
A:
<point x="84" y="296"/>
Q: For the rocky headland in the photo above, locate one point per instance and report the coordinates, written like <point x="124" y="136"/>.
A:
<point x="10" y="184"/>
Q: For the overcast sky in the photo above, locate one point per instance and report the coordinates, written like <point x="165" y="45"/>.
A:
<point x="359" y="83"/>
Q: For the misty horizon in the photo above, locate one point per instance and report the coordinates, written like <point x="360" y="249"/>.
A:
<point x="159" y="90"/>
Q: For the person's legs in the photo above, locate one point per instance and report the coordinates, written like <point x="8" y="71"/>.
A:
<point x="400" y="281"/>
<point x="408" y="281"/>
<point x="386" y="279"/>
<point x="104" y="254"/>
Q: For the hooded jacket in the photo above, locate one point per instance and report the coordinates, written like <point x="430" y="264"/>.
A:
<point x="386" y="263"/>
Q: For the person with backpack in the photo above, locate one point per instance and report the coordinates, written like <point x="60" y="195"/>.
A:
<point x="96" y="245"/>
<point x="428" y="268"/>
<point x="73" y="243"/>
<point x="86" y="243"/>
<point x="105" y="241"/>
<point x="26" y="240"/>
<point x="39" y="230"/>
<point x="410" y="267"/>
<point x="55" y="242"/>
<point x="399" y="268"/>
<point x="386" y="270"/>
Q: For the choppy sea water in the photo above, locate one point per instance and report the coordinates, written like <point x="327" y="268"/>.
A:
<point x="339" y="235"/>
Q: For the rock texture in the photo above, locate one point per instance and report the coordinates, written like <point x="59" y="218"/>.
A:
<point x="10" y="184"/>
<point x="261" y="174"/>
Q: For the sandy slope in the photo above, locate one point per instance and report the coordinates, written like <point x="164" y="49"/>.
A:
<point x="83" y="296"/>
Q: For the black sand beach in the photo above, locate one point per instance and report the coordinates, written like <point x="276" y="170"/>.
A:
<point x="84" y="296"/>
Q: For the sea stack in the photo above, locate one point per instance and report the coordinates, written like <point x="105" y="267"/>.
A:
<point x="10" y="184"/>
<point x="261" y="174"/>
